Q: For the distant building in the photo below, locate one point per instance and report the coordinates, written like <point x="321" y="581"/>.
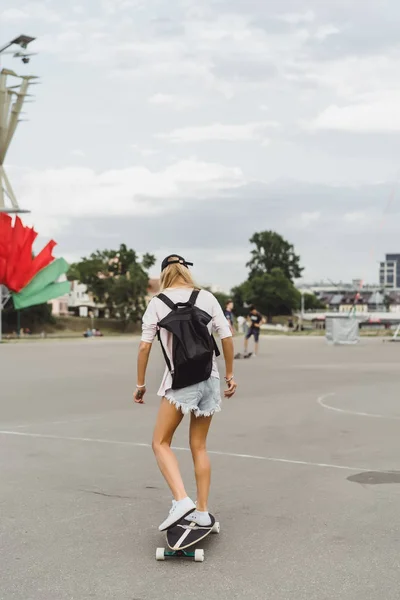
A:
<point x="81" y="303"/>
<point x="59" y="306"/>
<point x="343" y="297"/>
<point x="389" y="272"/>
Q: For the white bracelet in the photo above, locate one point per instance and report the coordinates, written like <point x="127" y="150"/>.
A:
<point x="230" y="379"/>
<point x="141" y="386"/>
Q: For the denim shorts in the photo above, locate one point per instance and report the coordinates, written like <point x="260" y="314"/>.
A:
<point x="202" y="399"/>
<point x="253" y="332"/>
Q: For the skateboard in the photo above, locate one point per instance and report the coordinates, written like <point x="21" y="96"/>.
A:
<point x="240" y="355"/>
<point x="182" y="537"/>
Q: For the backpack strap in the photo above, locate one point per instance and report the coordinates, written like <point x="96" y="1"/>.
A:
<point x="193" y="297"/>
<point x="173" y="307"/>
<point x="216" y="349"/>
<point x="164" y="351"/>
<point x="167" y="301"/>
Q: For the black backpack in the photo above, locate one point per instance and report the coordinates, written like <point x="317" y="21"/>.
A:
<point x="193" y="347"/>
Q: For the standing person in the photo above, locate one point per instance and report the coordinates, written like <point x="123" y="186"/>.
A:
<point x="254" y="319"/>
<point x="229" y="315"/>
<point x="241" y="324"/>
<point x="202" y="398"/>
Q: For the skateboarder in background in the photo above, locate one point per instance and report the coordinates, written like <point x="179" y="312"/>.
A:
<point x="255" y="320"/>
<point x="229" y="315"/>
<point x="201" y="400"/>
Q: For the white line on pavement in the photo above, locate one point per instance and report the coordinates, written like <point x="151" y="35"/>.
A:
<point x="321" y="402"/>
<point x="215" y="452"/>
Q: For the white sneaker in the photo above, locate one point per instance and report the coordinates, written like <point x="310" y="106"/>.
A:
<point x="201" y="518"/>
<point x="179" y="510"/>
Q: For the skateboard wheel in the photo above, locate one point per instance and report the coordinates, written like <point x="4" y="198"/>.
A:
<point x="199" y="555"/>
<point x="160" y="554"/>
<point x="216" y="528"/>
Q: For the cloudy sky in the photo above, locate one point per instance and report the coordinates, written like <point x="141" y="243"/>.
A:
<point x="186" y="126"/>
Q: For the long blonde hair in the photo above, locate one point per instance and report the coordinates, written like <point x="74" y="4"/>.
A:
<point x="175" y="272"/>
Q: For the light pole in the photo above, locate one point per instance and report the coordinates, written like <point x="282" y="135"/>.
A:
<point x="12" y="99"/>
<point x="9" y="118"/>
<point x="21" y="40"/>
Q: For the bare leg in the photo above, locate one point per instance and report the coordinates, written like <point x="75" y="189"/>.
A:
<point x="199" y="427"/>
<point x="168" y="420"/>
<point x="256" y="348"/>
<point x="246" y="343"/>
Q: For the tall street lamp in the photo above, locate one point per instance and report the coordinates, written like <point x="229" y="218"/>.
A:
<point x="21" y="40"/>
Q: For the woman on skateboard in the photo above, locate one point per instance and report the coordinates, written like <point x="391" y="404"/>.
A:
<point x="201" y="400"/>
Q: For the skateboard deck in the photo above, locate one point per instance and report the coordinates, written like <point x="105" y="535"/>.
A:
<point x="240" y="355"/>
<point x="183" y="537"/>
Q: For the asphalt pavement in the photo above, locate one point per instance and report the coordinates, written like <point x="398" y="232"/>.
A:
<point x="306" y="474"/>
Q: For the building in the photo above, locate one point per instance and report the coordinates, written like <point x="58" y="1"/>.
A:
<point x="389" y="272"/>
<point x="345" y="297"/>
<point x="82" y="304"/>
<point x="59" y="306"/>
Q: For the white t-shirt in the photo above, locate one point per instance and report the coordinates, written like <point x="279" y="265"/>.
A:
<point x="157" y="310"/>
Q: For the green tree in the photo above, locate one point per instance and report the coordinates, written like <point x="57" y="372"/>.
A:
<point x="239" y="296"/>
<point x="33" y="317"/>
<point x="272" y="251"/>
<point x="311" y="302"/>
<point x="117" y="279"/>
<point x="222" y="299"/>
<point x="387" y="301"/>
<point x="272" y="294"/>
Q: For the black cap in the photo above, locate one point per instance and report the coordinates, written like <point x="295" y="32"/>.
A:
<point x="177" y="259"/>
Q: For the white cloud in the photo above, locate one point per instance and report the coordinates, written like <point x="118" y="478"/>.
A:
<point x="34" y="11"/>
<point x="326" y="31"/>
<point x="298" y="18"/>
<point x="355" y="217"/>
<point x="376" y="113"/>
<point x="173" y="101"/>
<point x="13" y="14"/>
<point x="354" y="76"/>
<point x="305" y="219"/>
<point x="79" y="153"/>
<point x="111" y="7"/>
<point x="56" y="195"/>
<point x="144" y="151"/>
<point x="220" y="132"/>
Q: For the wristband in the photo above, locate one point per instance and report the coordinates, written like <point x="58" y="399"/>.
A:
<point x="230" y="379"/>
<point x="141" y="386"/>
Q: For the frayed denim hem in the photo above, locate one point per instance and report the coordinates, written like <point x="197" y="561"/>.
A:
<point x="185" y="409"/>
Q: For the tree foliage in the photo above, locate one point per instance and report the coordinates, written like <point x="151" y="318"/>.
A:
<point x="222" y="299"/>
<point x="311" y="302"/>
<point x="117" y="279"/>
<point x="33" y="318"/>
<point x="272" y="251"/>
<point x="272" y="294"/>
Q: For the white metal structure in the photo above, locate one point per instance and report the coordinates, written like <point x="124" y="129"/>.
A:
<point x="4" y="298"/>
<point x="12" y="98"/>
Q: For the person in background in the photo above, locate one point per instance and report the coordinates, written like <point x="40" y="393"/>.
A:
<point x="255" y="320"/>
<point x="242" y="326"/>
<point x="229" y="315"/>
